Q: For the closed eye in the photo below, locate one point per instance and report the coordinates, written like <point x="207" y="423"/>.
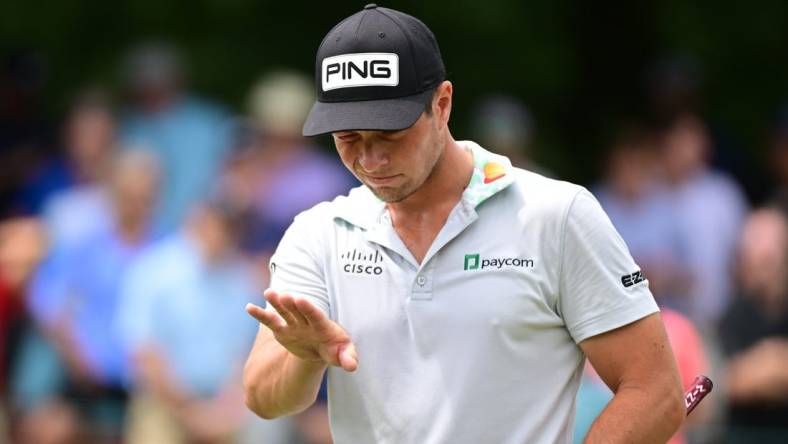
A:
<point x="347" y="136"/>
<point x="392" y="135"/>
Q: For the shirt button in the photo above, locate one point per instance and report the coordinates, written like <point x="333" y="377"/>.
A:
<point x="421" y="280"/>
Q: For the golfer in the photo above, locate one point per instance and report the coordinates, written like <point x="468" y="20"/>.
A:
<point x="452" y="298"/>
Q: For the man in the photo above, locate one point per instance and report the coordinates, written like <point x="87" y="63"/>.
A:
<point x="83" y="207"/>
<point x="452" y="297"/>
<point x="179" y="316"/>
<point x="72" y="370"/>
<point x="709" y="208"/>
<point x="189" y="134"/>
<point x="753" y="333"/>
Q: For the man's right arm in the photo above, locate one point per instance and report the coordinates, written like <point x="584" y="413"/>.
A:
<point x="276" y="382"/>
<point x="293" y="348"/>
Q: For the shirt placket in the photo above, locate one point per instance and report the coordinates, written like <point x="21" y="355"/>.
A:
<point x="421" y="289"/>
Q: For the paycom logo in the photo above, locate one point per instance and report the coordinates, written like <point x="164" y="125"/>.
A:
<point x="471" y="262"/>
<point x="476" y="262"/>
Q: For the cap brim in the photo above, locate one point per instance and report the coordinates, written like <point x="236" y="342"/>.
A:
<point x="371" y="115"/>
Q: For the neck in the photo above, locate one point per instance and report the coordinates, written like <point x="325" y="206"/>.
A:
<point x="131" y="231"/>
<point x="444" y="186"/>
<point x="91" y="170"/>
<point x="211" y="251"/>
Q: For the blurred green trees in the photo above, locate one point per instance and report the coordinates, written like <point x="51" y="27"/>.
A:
<point x="578" y="64"/>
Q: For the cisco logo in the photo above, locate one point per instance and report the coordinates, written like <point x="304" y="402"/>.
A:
<point x="357" y="262"/>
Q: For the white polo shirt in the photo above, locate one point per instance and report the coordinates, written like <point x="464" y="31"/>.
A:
<point x="478" y="343"/>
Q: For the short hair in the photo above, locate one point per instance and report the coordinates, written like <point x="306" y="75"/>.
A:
<point x="428" y="105"/>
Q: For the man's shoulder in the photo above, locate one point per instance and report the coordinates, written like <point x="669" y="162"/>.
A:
<point x="528" y="177"/>
<point x="358" y="208"/>
<point x="313" y="231"/>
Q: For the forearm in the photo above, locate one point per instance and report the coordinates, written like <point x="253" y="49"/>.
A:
<point x="277" y="383"/>
<point x="66" y="345"/>
<point x="638" y="415"/>
<point x="760" y="374"/>
<point x="152" y="374"/>
<point x="637" y="363"/>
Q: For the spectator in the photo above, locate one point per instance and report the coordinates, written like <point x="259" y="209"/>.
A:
<point x="188" y="134"/>
<point x="641" y="210"/>
<point x="83" y="208"/>
<point x="754" y="334"/>
<point x="77" y="371"/>
<point x="709" y="207"/>
<point x="22" y="246"/>
<point x="183" y="318"/>
<point x="674" y="87"/>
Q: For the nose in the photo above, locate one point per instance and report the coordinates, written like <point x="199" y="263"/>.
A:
<point x="373" y="157"/>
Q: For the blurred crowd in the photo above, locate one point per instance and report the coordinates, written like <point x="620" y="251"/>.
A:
<point x="132" y="236"/>
<point x="134" y="231"/>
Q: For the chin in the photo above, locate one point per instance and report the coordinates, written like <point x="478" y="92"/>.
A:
<point x="391" y="195"/>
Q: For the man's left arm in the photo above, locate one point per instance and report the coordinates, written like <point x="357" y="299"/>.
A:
<point x="637" y="363"/>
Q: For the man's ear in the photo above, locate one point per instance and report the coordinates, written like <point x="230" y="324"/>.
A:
<point x="441" y="105"/>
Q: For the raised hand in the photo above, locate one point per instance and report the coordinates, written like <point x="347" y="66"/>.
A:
<point x="305" y="331"/>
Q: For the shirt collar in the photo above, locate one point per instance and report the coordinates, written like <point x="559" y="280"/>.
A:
<point x="491" y="174"/>
<point x="360" y="208"/>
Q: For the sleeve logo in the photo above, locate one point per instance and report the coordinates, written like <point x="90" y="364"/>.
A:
<point x="362" y="69"/>
<point x="631" y="279"/>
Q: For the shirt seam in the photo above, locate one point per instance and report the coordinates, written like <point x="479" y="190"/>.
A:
<point x="315" y="251"/>
<point x="562" y="251"/>
<point x="623" y="309"/>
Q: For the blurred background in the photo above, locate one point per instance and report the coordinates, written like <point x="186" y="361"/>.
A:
<point x="151" y="158"/>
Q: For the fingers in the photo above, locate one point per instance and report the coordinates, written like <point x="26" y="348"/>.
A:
<point x="296" y="310"/>
<point x="312" y="314"/>
<point x="288" y="307"/>
<point x="348" y="357"/>
<point x="310" y="324"/>
<point x="270" y="320"/>
<point x="288" y="302"/>
<point x="276" y="300"/>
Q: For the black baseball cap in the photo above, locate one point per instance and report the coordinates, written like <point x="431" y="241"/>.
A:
<point x="375" y="70"/>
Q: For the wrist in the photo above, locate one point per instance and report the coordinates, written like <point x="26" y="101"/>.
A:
<point x="307" y="364"/>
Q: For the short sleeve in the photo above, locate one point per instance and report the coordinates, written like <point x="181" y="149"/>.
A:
<point x="601" y="287"/>
<point x="296" y="267"/>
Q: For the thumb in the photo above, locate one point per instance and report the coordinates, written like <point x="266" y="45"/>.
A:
<point x="348" y="358"/>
